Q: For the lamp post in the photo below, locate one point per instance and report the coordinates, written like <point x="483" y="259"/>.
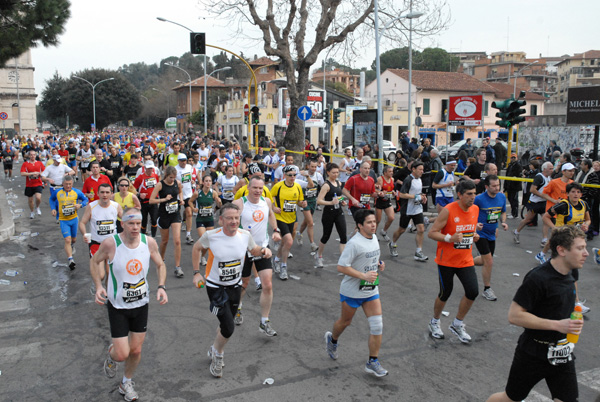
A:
<point x="93" y="94"/>
<point x="409" y="16"/>
<point x="168" y="100"/>
<point x="190" y="81"/>
<point x="205" y="104"/>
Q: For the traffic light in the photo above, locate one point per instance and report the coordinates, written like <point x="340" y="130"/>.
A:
<point x="255" y="115"/>
<point x="197" y="43"/>
<point x="515" y="110"/>
<point x="503" y="113"/>
<point x="336" y="115"/>
<point x="245" y="119"/>
<point x="326" y="115"/>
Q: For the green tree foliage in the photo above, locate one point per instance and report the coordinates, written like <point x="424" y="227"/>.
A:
<point x="430" y="59"/>
<point x="26" y="24"/>
<point x="53" y="100"/>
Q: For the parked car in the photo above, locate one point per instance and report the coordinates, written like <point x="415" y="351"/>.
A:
<point x="389" y="150"/>
<point x="452" y="151"/>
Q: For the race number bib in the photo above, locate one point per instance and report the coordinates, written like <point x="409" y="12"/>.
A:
<point x="229" y="270"/>
<point x="389" y="195"/>
<point x="172" y="207"/>
<point x="364" y="285"/>
<point x="311" y="192"/>
<point x="365" y="198"/>
<point x="106" y="227"/>
<point x="150" y="182"/>
<point x="289" y="206"/>
<point x="493" y="216"/>
<point x="7" y="159"/>
<point x="114" y="164"/>
<point x="186" y="178"/>
<point x="68" y="209"/>
<point x="560" y="353"/>
<point x="466" y="242"/>
<point x="135" y="291"/>
<point x="206" y="211"/>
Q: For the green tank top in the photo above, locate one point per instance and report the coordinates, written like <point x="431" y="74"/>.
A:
<point x="205" y="204"/>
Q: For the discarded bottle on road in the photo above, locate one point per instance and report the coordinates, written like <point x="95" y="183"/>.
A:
<point x="4" y="282"/>
<point x="575" y="315"/>
<point x="11" y="272"/>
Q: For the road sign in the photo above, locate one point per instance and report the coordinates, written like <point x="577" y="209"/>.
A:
<point x="191" y="125"/>
<point x="246" y="109"/>
<point x="304" y="113"/>
<point x="465" y="110"/>
<point x="3" y="116"/>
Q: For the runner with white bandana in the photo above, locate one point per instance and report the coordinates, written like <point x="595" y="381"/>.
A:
<point x="186" y="174"/>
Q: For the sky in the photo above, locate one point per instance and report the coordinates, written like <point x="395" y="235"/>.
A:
<point x="111" y="33"/>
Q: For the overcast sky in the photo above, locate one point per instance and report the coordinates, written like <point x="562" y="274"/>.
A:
<point x="111" y="33"/>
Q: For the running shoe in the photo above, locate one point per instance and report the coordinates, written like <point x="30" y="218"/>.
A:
<point x="385" y="236"/>
<point x="299" y="239"/>
<point x="489" y="294"/>
<point x="189" y="240"/>
<point x="239" y="318"/>
<point x="319" y="262"/>
<point x="331" y="347"/>
<point x="72" y="265"/>
<point x="258" y="286"/>
<point x="290" y="255"/>
<point x="210" y="356"/>
<point x="110" y="366"/>
<point x="178" y="272"/>
<point x="276" y="266"/>
<point x="460" y="332"/>
<point x="596" y="255"/>
<point x="32" y="215"/>
<point x="39" y="211"/>
<point x="411" y="228"/>
<point x="216" y="364"/>
<point x="314" y="247"/>
<point x="283" y="275"/>
<point x="267" y="329"/>
<point x="126" y="389"/>
<point x="392" y="248"/>
<point x="516" y="238"/>
<point x="374" y="367"/>
<point x="435" y="330"/>
<point x="541" y="257"/>
<point x="543" y="243"/>
<point x="203" y="261"/>
<point x="584" y="309"/>
<point x="419" y="256"/>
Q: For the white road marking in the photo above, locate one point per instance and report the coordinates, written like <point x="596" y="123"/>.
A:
<point x="18" y="326"/>
<point x="13" y="354"/>
<point x="590" y="378"/>
<point x="14" y="305"/>
<point x="13" y="287"/>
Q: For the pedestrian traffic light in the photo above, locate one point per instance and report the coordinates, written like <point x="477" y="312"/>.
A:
<point x="197" y="43"/>
<point x="255" y="114"/>
<point x="245" y="119"/>
<point x="326" y="115"/>
<point x="336" y="115"/>
<point x="503" y="113"/>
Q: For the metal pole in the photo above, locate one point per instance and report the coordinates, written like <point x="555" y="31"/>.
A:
<point x="378" y="75"/>
<point x="18" y="96"/>
<point x="410" y="129"/>
<point x="94" y="104"/>
<point x="205" y="105"/>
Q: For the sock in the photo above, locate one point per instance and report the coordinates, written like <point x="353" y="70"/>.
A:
<point x="545" y="239"/>
<point x="188" y="233"/>
<point x="393" y="244"/>
<point x="486" y="288"/>
<point x="283" y="264"/>
<point x="216" y="353"/>
<point x="125" y="379"/>
<point x="419" y="249"/>
<point x="257" y="280"/>
<point x="372" y="359"/>
<point x="435" y="320"/>
<point x="298" y="233"/>
<point x="276" y="258"/>
<point x="263" y="320"/>
<point x="457" y="322"/>
<point x="334" y="341"/>
<point x="70" y="258"/>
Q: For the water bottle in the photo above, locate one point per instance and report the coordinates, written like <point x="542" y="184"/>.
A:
<point x="11" y="272"/>
<point x="575" y="315"/>
<point x="336" y="206"/>
<point x="4" y="282"/>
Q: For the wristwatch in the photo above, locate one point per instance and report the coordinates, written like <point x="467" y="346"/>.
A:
<point x="277" y="230"/>
<point x="161" y="287"/>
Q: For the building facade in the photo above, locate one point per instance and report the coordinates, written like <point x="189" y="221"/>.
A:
<point x="17" y="96"/>
<point x="580" y="70"/>
<point x="335" y="75"/>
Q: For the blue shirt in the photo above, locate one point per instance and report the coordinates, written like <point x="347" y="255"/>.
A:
<point x="490" y="211"/>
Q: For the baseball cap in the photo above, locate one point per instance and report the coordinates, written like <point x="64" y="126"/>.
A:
<point x="272" y="150"/>
<point x="149" y="165"/>
<point x="568" y="166"/>
<point x="56" y="158"/>
<point x="138" y="150"/>
<point x="182" y="157"/>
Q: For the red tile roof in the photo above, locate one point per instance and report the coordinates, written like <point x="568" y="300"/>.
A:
<point x="211" y="82"/>
<point x="444" y="81"/>
<point x="262" y="61"/>
<point x="505" y="91"/>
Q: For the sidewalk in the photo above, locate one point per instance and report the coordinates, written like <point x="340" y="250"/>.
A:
<point x="7" y="224"/>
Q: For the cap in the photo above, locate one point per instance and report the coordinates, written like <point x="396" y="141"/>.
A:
<point x="182" y="157"/>
<point x="290" y="168"/>
<point x="272" y="150"/>
<point x="513" y="154"/>
<point x="149" y="165"/>
<point x="568" y="166"/>
<point x="138" y="150"/>
<point x="253" y="168"/>
<point x="57" y="158"/>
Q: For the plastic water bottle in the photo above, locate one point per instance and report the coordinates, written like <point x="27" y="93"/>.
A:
<point x="4" y="282"/>
<point x="11" y="272"/>
<point x="336" y="206"/>
<point x="575" y="315"/>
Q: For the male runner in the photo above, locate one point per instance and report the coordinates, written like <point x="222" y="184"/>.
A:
<point x="492" y="209"/>
<point x="144" y="184"/>
<point x="186" y="174"/>
<point x="542" y="306"/>
<point x="9" y="154"/>
<point x="91" y="184"/>
<point x="360" y="188"/>
<point x="32" y="170"/>
<point x="359" y="263"/>
<point x="443" y="182"/>
<point x="412" y="200"/>
<point x="227" y="246"/>
<point x="455" y="232"/>
<point x="102" y="216"/>
<point x="65" y="203"/>
<point x="311" y="187"/>
<point x="256" y="215"/>
<point x="127" y="294"/>
<point x="55" y="173"/>
<point x="556" y="190"/>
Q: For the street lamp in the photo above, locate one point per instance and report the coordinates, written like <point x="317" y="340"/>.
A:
<point x="411" y="15"/>
<point x="189" y="77"/>
<point x="205" y="102"/>
<point x="515" y="77"/>
<point x="168" y="100"/>
<point x="93" y="94"/>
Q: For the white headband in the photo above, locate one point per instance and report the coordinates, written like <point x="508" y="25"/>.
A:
<point x="130" y="217"/>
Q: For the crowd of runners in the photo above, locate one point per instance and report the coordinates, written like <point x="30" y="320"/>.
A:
<point x="139" y="191"/>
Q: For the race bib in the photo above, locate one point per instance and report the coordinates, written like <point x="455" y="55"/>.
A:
<point x="560" y="353"/>
<point x="206" y="211"/>
<point x="365" y="198"/>
<point x="68" y="209"/>
<point x="289" y="206"/>
<point x="364" y="285"/>
<point x="389" y="195"/>
<point x="311" y="192"/>
<point x="172" y="207"/>
<point x="114" y="164"/>
<point x="106" y="227"/>
<point x="466" y="242"/>
<point x="150" y="182"/>
<point x="186" y="178"/>
<point x="134" y="291"/>
<point x="8" y="159"/>
<point x="229" y="270"/>
<point x="493" y="216"/>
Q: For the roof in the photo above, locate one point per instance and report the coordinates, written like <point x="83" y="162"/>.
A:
<point x="444" y="81"/>
<point x="211" y="82"/>
<point x="590" y="54"/>
<point x="505" y="91"/>
<point x="262" y="61"/>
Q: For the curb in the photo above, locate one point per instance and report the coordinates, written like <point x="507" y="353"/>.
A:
<point x="7" y="224"/>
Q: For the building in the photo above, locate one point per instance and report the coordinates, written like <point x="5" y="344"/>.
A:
<point x="535" y="105"/>
<point x="467" y="61"/>
<point x="579" y="70"/>
<point x="17" y="96"/>
<point x="335" y="75"/>
<point x="195" y="91"/>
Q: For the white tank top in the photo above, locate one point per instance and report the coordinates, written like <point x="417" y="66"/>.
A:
<point x="103" y="221"/>
<point x="185" y="176"/>
<point x="347" y="164"/>
<point x="446" y="191"/>
<point x="535" y="198"/>
<point x="227" y="186"/>
<point x="255" y="219"/>
<point x="127" y="285"/>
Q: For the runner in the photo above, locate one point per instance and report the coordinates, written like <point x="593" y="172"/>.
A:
<point x="227" y="183"/>
<point x="310" y="187"/>
<point x="127" y="295"/>
<point x="455" y="231"/>
<point x="542" y="306"/>
<point x="173" y="158"/>
<point x="168" y="193"/>
<point x="90" y="185"/>
<point x="144" y="184"/>
<point x="359" y="263"/>
<point x="492" y="210"/>
<point x="227" y="246"/>
<point x="555" y="191"/>
<point x="131" y="169"/>
<point x="202" y="203"/>
<point x="72" y="157"/>
<point x="55" y="173"/>
<point x="443" y="183"/>
<point x="9" y="154"/>
<point x="346" y="166"/>
<point x="270" y="162"/>
<point x="329" y="196"/>
<point x="102" y="216"/>
<point x="64" y="203"/>
<point x="125" y="198"/>
<point x="253" y="171"/>
<point x="186" y="175"/>
<point x="412" y="200"/>
<point x="32" y="170"/>
<point x="256" y="215"/>
<point x="360" y="188"/>
<point x="383" y="202"/>
<point x="84" y="157"/>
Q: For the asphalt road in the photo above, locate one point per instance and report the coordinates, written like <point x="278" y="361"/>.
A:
<point x="53" y="338"/>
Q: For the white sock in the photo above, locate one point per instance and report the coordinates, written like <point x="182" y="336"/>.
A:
<point x="257" y="280"/>
<point x="264" y="319"/>
<point x="188" y="233"/>
<point x="457" y="322"/>
<point x="125" y="379"/>
<point x="276" y="258"/>
<point x="435" y="320"/>
<point x="419" y="249"/>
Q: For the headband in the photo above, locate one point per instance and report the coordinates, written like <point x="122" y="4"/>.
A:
<point x="131" y="216"/>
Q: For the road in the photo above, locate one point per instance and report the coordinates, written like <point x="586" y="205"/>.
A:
<point x="54" y="338"/>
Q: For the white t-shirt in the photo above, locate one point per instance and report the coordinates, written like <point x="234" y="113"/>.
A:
<point x="204" y="154"/>
<point x="227" y="186"/>
<point x="56" y="173"/>
<point x="255" y="219"/>
<point x="279" y="173"/>
<point x="185" y="176"/>
<point x="362" y="254"/>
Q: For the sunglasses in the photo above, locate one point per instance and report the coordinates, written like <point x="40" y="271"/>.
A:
<point x="123" y="185"/>
<point x="291" y="175"/>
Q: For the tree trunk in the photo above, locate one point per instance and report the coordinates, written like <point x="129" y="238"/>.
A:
<point x="294" y="137"/>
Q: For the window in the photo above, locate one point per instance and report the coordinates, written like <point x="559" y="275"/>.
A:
<point x="263" y="70"/>
<point x="533" y="110"/>
<point x="426" y="107"/>
<point x="485" y="108"/>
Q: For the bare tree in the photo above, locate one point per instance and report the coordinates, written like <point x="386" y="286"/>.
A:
<point x="297" y="31"/>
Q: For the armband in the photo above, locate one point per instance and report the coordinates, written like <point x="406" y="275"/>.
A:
<point x="447" y="238"/>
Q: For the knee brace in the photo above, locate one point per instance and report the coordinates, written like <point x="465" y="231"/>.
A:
<point x="376" y="324"/>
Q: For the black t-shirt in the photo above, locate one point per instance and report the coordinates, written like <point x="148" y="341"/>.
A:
<point x="8" y="156"/>
<point x="131" y="171"/>
<point x="400" y="174"/>
<point x="547" y="294"/>
<point x="538" y="181"/>
<point x="72" y="153"/>
<point x="116" y="163"/>
<point x="474" y="171"/>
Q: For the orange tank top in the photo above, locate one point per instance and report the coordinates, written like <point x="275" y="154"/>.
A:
<point x="458" y="255"/>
